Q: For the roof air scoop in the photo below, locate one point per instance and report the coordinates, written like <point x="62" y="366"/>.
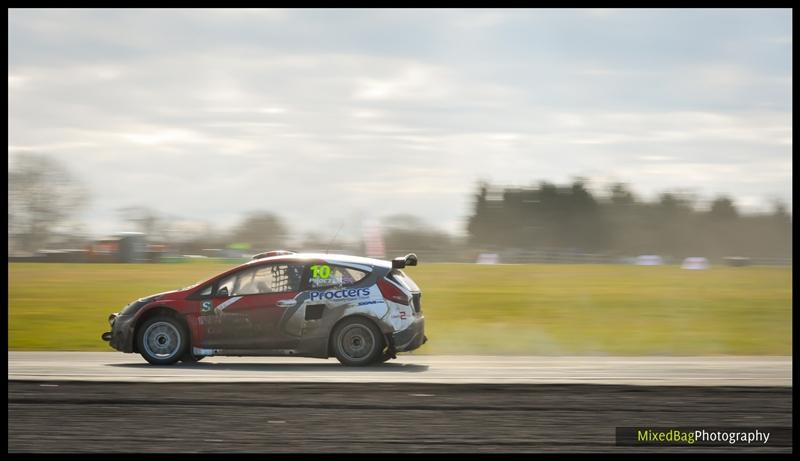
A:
<point x="268" y="254"/>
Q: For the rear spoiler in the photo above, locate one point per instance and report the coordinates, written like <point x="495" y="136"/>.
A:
<point x="403" y="261"/>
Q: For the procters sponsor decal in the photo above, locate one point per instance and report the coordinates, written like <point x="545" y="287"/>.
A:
<point x="339" y="294"/>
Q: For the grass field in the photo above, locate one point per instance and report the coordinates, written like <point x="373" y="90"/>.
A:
<point x="469" y="309"/>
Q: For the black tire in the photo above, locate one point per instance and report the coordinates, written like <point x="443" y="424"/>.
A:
<point x="162" y="340"/>
<point x="188" y="357"/>
<point x="357" y="342"/>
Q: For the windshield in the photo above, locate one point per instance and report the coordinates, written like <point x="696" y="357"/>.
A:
<point x="191" y="286"/>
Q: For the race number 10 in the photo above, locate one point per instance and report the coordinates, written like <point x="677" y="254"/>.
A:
<point x="320" y="271"/>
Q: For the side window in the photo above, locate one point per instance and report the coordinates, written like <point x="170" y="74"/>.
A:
<point x="225" y="287"/>
<point x="206" y="291"/>
<point x="246" y="283"/>
<point x="274" y="278"/>
<point x="332" y="276"/>
<point x="279" y="278"/>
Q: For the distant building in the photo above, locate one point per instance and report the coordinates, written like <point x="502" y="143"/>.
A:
<point x="738" y="261"/>
<point x="649" y="260"/>
<point x="695" y="263"/>
<point x="124" y="247"/>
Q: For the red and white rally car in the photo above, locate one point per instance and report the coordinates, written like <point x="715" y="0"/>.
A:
<point x="361" y="310"/>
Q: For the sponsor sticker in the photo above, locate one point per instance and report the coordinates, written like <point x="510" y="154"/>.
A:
<point x="227" y="303"/>
<point x="206" y="306"/>
<point x="346" y="294"/>
<point x="368" y="302"/>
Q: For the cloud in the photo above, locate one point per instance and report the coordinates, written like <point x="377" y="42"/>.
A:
<point x="411" y="82"/>
<point x="362" y="110"/>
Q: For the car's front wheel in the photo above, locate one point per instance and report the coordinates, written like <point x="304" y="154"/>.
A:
<point x="162" y="340"/>
<point x="188" y="357"/>
<point x="357" y="342"/>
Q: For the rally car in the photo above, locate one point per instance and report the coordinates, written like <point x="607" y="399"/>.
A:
<point x="360" y="310"/>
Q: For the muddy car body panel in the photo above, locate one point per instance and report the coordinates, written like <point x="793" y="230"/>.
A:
<point x="282" y="304"/>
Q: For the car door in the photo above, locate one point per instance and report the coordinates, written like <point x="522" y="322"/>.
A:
<point x="249" y="308"/>
<point x="330" y="289"/>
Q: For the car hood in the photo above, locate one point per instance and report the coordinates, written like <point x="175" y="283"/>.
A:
<point x="156" y="296"/>
<point x="133" y="307"/>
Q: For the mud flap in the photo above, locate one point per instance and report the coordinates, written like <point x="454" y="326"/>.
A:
<point x="390" y="349"/>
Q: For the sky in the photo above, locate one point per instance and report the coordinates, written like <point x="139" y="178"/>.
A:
<point x="329" y="118"/>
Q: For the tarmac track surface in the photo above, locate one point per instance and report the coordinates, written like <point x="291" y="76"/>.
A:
<point x="71" y="416"/>
<point x="408" y="368"/>
<point x="113" y="402"/>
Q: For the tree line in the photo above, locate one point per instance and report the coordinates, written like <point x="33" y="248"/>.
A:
<point x="572" y="218"/>
<point x="44" y="200"/>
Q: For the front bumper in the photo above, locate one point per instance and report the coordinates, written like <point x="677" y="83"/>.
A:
<point x="121" y="335"/>
<point x="411" y="338"/>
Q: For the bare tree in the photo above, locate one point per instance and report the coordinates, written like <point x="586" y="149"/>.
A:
<point x="143" y="219"/>
<point x="406" y="233"/>
<point x="42" y="195"/>
<point x="262" y="231"/>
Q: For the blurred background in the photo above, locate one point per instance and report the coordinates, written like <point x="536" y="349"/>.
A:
<point x="633" y="167"/>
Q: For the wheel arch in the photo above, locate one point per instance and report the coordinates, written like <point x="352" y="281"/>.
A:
<point x="329" y="347"/>
<point x="154" y="312"/>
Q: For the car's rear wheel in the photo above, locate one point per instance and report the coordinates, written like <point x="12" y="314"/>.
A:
<point x="162" y="340"/>
<point x="357" y="342"/>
